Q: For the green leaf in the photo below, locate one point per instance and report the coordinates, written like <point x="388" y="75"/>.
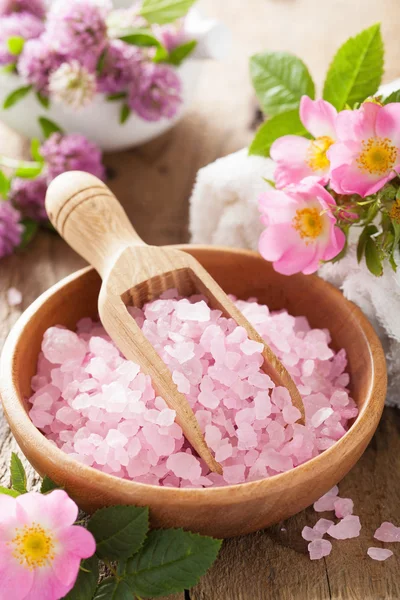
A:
<point x="287" y="123"/>
<point x="49" y="127"/>
<point x="165" y="11"/>
<point x="48" y="485"/>
<point x="356" y="70"/>
<point x="372" y="257"/>
<point x="124" y="114"/>
<point x="35" y="150"/>
<point x="393" y="97"/>
<point x="362" y="240"/>
<point x="141" y="37"/>
<point x="112" y="589"/>
<point x="86" y="583"/>
<point x="28" y="170"/>
<point x="180" y="53"/>
<point x="16" y="96"/>
<point x="43" y="100"/>
<point x="115" y="97"/>
<point x="119" y="530"/>
<point x="101" y="62"/>
<point x="9" y="492"/>
<point x="170" y="561"/>
<point x="18" y="475"/>
<point x="15" y="44"/>
<point x="280" y="80"/>
<point x="10" y="68"/>
<point x="30" y="230"/>
<point x="5" y="185"/>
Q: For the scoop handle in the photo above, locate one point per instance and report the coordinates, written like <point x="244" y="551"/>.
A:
<point x="89" y="217"/>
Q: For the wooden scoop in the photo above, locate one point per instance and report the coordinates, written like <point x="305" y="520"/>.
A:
<point x="89" y="217"/>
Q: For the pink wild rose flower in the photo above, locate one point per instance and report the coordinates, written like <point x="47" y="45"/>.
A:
<point x="297" y="157"/>
<point x="40" y="547"/>
<point x="300" y="229"/>
<point x="367" y="153"/>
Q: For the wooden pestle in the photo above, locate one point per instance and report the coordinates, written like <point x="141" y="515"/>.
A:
<point x="89" y="217"/>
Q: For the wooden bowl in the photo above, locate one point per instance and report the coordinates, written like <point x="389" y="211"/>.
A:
<point x="225" y="511"/>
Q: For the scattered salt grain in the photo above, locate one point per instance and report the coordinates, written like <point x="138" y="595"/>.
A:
<point x="103" y="411"/>
<point x="387" y="532"/>
<point x="348" y="527"/>
<point x="379" y="553"/>
<point x="322" y="525"/>
<point x="343" y="507"/>
<point x="327" y="501"/>
<point x="319" y="548"/>
<point x="14" y="297"/>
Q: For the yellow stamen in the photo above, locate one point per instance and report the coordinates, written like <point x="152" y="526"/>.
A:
<point x="308" y="222"/>
<point x="378" y="156"/>
<point x="316" y="153"/>
<point x="33" y="546"/>
<point x="395" y="211"/>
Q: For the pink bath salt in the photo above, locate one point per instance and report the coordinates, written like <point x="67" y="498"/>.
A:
<point x="249" y="423"/>
<point x="247" y="437"/>
<point x="41" y="418"/>
<point x="319" y="548"/>
<point x="61" y="345"/>
<point x="224" y="452"/>
<point x="387" y="532"/>
<point x="327" y="501"/>
<point x="320" y="416"/>
<point x="14" y="297"/>
<point x="322" y="526"/>
<point x="310" y="534"/>
<point x="250" y="347"/>
<point x="348" y="527"/>
<point x="185" y="311"/>
<point x="234" y="474"/>
<point x="379" y="553"/>
<point x="343" y="507"/>
<point x="262" y="405"/>
<point x="276" y="461"/>
<point x="184" y="465"/>
<point x="291" y="414"/>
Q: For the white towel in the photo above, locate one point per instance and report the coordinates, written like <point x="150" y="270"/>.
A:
<point x="224" y="211"/>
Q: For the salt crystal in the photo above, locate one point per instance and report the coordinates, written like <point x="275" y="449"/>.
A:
<point x="379" y="553"/>
<point x="348" y="527"/>
<point x="291" y="414"/>
<point x="327" y="501"/>
<point x="193" y="312"/>
<point x="103" y="410"/>
<point x="320" y="416"/>
<point x="166" y="417"/>
<point x="60" y="345"/>
<point x="250" y="347"/>
<point x="343" y="507"/>
<point x="319" y="548"/>
<point x="387" y="532"/>
<point x="310" y="534"/>
<point x="322" y="525"/>
<point x="14" y="297"/>
<point x="184" y="465"/>
<point x="116" y="439"/>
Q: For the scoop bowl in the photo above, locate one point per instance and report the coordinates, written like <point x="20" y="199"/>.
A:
<point x="224" y="511"/>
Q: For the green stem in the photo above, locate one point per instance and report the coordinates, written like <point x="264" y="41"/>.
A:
<point x="12" y="163"/>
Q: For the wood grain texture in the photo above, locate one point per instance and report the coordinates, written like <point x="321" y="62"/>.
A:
<point x="154" y="183"/>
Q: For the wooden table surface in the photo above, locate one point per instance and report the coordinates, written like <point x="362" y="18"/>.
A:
<point x="154" y="184"/>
